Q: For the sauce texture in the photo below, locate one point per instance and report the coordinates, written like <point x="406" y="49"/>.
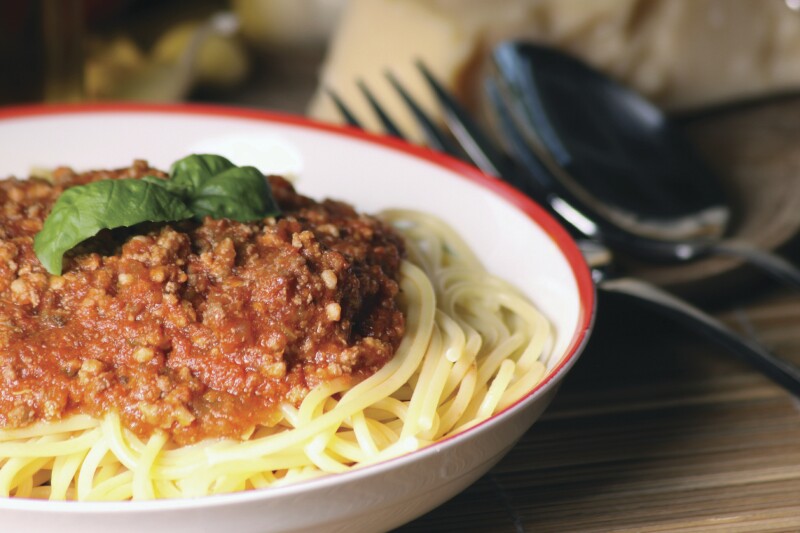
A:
<point x="199" y="329"/>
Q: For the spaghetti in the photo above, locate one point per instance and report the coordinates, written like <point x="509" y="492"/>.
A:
<point x="473" y="346"/>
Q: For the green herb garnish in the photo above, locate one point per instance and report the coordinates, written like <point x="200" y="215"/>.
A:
<point x="198" y="186"/>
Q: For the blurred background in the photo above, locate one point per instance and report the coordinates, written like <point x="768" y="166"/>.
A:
<point x="683" y="54"/>
<point x="162" y="50"/>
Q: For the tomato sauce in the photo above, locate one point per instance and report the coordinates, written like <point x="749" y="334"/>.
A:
<point x="199" y="329"/>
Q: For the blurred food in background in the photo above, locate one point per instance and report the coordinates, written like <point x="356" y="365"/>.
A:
<point x="68" y="50"/>
<point x="205" y="53"/>
<point x="163" y="51"/>
<point x="280" y="25"/>
<point x="682" y="54"/>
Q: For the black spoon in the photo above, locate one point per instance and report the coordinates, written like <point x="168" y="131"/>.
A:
<point x="620" y="161"/>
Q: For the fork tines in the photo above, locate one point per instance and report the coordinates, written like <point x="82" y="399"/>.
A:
<point x="436" y="137"/>
<point x="462" y="137"/>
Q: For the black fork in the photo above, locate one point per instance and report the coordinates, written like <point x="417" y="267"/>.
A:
<point x="465" y="139"/>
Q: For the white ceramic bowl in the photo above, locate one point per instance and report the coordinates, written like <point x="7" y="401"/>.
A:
<point x="514" y="237"/>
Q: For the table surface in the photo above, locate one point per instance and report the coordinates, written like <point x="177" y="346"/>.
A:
<point x="653" y="430"/>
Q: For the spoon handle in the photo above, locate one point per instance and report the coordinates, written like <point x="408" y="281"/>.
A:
<point x="774" y="265"/>
<point x="780" y="371"/>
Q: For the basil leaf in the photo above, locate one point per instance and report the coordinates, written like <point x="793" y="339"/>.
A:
<point x="81" y="212"/>
<point x="198" y="186"/>
<point x="191" y="172"/>
<point x="239" y="193"/>
<point x="213" y="186"/>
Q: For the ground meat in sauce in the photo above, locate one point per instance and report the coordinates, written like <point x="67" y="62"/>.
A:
<point x="200" y="329"/>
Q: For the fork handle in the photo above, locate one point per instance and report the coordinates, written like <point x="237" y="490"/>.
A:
<point x="646" y="294"/>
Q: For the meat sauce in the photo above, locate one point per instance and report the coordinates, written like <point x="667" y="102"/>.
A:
<point x="199" y="329"/>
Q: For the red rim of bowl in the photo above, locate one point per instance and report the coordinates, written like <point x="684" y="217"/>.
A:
<point x="562" y="239"/>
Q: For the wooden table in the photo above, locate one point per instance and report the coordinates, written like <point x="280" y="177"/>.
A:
<point x="653" y="430"/>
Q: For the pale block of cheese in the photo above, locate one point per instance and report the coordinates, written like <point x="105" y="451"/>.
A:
<point x="679" y="53"/>
<point x="375" y="37"/>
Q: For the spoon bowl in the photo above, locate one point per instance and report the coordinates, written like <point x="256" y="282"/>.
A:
<point x="619" y="161"/>
<point x="614" y="147"/>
